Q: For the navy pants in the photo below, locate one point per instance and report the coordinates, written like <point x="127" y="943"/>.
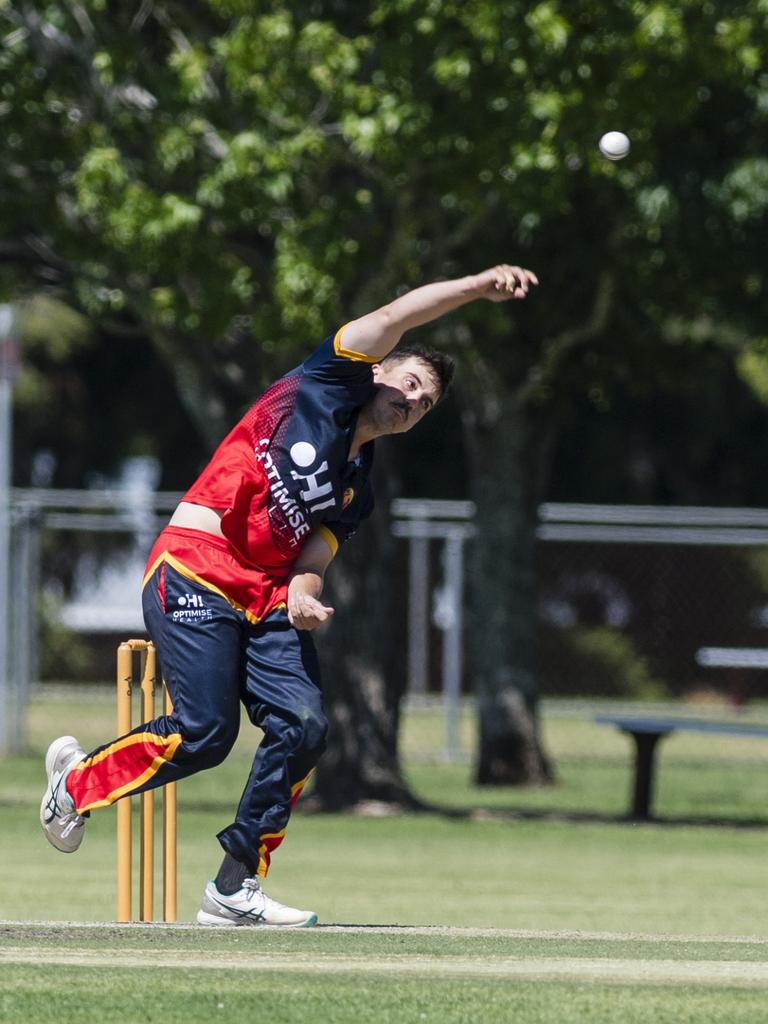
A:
<point x="212" y="660"/>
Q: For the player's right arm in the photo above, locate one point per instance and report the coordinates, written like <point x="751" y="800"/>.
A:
<point x="377" y="333"/>
<point x="305" y="584"/>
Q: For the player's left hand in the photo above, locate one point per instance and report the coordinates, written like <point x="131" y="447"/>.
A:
<point x="504" y="282"/>
<point x="306" y="612"/>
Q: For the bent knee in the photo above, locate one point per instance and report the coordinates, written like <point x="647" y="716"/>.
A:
<point x="210" y="744"/>
<point x="308" y="733"/>
<point x="317" y="734"/>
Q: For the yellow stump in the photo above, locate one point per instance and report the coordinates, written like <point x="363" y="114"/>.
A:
<point x="169" y="837"/>
<point x="125" y="688"/>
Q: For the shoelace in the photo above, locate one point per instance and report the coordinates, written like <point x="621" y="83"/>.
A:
<point x="254" y="886"/>
<point x="73" y="821"/>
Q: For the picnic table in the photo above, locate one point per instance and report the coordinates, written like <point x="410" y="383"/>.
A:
<point x="647" y="730"/>
<point x="732" y="657"/>
<point x="737" y="661"/>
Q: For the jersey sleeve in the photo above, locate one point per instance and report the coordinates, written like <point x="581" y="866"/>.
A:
<point x="340" y="530"/>
<point x="332" y="363"/>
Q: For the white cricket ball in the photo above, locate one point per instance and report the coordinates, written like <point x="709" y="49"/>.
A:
<point x="614" y="145"/>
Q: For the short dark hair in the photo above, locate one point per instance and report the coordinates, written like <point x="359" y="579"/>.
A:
<point x="441" y="367"/>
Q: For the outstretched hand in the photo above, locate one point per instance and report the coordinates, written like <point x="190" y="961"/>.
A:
<point x="306" y="612"/>
<point x="503" y="282"/>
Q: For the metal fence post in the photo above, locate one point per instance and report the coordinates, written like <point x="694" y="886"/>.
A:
<point x="418" y="617"/>
<point x="23" y="663"/>
<point x="453" y="628"/>
<point x="8" y="371"/>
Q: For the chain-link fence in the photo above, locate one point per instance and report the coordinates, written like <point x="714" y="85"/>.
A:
<point x="631" y="599"/>
<point x="76" y="565"/>
<point x="633" y="603"/>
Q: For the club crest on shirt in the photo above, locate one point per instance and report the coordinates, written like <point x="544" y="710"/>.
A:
<point x="347" y="497"/>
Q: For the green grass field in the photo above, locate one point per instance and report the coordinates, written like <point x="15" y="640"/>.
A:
<point x="533" y="906"/>
<point x="57" y="973"/>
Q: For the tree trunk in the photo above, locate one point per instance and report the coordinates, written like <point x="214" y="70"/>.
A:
<point x="506" y="453"/>
<point x="363" y="671"/>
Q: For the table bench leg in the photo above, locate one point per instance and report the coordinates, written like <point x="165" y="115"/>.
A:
<point x="645" y="749"/>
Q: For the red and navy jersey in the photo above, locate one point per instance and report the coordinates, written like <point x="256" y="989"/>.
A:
<point x="284" y="472"/>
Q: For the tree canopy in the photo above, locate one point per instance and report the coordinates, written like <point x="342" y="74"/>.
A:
<point x="230" y="180"/>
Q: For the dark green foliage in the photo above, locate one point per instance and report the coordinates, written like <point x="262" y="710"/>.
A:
<point x="598" y="662"/>
<point x="230" y="180"/>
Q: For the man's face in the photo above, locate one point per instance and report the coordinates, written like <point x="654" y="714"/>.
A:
<point x="405" y="392"/>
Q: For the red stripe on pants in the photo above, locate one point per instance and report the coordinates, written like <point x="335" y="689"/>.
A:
<point x="119" y="769"/>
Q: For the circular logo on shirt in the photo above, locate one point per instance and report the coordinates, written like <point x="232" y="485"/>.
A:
<point x="303" y="454"/>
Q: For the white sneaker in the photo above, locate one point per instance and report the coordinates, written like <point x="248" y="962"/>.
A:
<point x="62" y="826"/>
<point x="249" y="906"/>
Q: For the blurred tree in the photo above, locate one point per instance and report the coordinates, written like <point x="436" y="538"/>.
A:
<point x="226" y="177"/>
<point x="646" y="265"/>
<point x="87" y="398"/>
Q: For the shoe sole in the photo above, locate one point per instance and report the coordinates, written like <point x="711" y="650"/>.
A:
<point x="213" y="921"/>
